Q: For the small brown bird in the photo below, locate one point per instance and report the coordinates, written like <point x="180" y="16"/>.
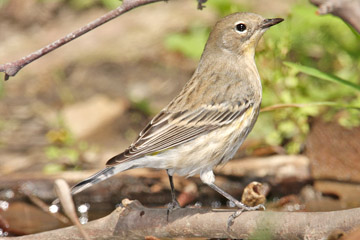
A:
<point x="207" y="122"/>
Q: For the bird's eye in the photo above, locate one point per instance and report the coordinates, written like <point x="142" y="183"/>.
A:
<point x="240" y="27"/>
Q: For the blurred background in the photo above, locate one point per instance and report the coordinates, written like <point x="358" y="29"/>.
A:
<point x="66" y="114"/>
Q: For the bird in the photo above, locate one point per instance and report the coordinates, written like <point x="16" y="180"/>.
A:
<point x="205" y="124"/>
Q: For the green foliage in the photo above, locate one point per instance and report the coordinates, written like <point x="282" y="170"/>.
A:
<point x="110" y="4"/>
<point x="63" y="150"/>
<point x="324" y="43"/>
<point x="77" y="4"/>
<point x="143" y="106"/>
<point x="3" y="3"/>
<point x="191" y="43"/>
<point x="51" y="168"/>
<point x="319" y="74"/>
<point x="225" y="7"/>
<point x="62" y="146"/>
<point x="55" y="152"/>
<point x="84" y="4"/>
<point x="313" y="41"/>
<point x="354" y="31"/>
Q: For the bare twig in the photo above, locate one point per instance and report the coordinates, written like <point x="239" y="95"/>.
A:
<point x="134" y="221"/>
<point x="43" y="206"/>
<point x="348" y="10"/>
<point x="11" y="68"/>
<point x="63" y="191"/>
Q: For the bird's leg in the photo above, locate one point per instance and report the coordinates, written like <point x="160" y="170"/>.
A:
<point x="242" y="207"/>
<point x="239" y="204"/>
<point x="174" y="203"/>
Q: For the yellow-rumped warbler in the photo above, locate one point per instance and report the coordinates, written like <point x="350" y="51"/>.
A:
<point x="207" y="122"/>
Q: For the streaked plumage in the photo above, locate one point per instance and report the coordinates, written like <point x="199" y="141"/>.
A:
<point x="208" y="121"/>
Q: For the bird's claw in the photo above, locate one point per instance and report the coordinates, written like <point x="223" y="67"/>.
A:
<point x="171" y="207"/>
<point x="232" y="217"/>
<point x="257" y="207"/>
<point x="241" y="209"/>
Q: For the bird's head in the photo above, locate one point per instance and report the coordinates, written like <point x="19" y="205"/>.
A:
<point x="239" y="33"/>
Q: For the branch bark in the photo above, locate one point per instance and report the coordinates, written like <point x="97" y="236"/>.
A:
<point x="348" y="10"/>
<point x="134" y="221"/>
<point x="11" y="68"/>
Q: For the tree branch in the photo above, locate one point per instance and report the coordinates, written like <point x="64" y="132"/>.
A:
<point x="11" y="68"/>
<point x="348" y="10"/>
<point x="134" y="221"/>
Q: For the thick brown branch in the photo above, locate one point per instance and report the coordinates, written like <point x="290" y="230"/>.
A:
<point x="134" y="221"/>
<point x="11" y="68"/>
<point x="348" y="10"/>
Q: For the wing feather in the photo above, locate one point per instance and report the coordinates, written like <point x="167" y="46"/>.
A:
<point x="168" y="129"/>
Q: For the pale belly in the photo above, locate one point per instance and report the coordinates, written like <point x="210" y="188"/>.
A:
<point x="207" y="151"/>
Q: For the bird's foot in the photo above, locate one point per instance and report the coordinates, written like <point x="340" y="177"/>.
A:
<point x="242" y="207"/>
<point x="171" y="207"/>
<point x="247" y="208"/>
<point x="232" y="217"/>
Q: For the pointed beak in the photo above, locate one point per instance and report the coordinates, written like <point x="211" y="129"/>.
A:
<point x="270" y="22"/>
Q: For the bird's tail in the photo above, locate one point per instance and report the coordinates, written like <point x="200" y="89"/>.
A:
<point x="98" y="177"/>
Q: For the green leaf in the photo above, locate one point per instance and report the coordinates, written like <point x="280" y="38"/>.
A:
<point x="51" y="168"/>
<point x="324" y="76"/>
<point x="357" y="35"/>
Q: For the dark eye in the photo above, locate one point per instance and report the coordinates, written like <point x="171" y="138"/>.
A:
<point x="240" y="27"/>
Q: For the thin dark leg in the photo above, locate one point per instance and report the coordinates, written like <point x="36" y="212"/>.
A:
<point x="174" y="203"/>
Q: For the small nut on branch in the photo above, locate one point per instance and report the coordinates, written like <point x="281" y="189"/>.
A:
<point x="254" y="194"/>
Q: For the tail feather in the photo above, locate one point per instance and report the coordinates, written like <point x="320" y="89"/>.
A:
<point x="92" y="180"/>
<point x="96" y="178"/>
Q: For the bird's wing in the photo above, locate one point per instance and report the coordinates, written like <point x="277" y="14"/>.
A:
<point x="167" y="130"/>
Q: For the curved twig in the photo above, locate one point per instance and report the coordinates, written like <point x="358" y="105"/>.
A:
<point x="348" y="10"/>
<point x="11" y="68"/>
